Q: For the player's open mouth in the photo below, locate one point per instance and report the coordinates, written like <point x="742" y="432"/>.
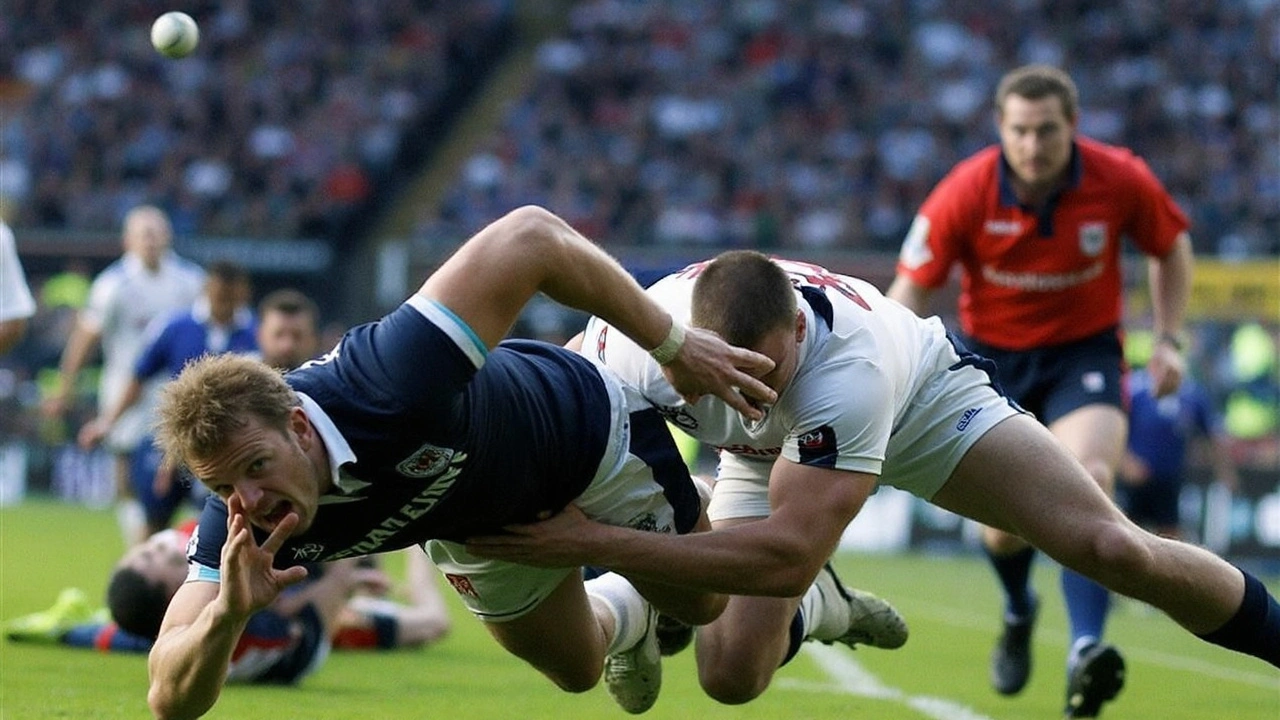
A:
<point x="278" y="513"/>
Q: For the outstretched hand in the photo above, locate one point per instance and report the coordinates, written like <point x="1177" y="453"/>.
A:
<point x="563" y="540"/>
<point x="249" y="582"/>
<point x="706" y="364"/>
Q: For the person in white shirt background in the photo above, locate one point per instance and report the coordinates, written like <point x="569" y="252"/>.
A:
<point x="16" y="303"/>
<point x="149" y="280"/>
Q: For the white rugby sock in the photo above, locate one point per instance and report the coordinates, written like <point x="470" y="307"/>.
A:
<point x="823" y="618"/>
<point x="629" y="609"/>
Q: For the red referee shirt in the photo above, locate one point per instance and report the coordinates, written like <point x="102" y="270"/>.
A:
<point x="1031" y="279"/>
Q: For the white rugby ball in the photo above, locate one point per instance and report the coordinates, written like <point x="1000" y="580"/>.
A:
<point x="175" y="34"/>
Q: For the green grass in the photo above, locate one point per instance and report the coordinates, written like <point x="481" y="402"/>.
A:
<point x="951" y="603"/>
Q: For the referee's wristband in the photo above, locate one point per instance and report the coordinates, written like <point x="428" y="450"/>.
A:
<point x="667" y="351"/>
<point x="1172" y="340"/>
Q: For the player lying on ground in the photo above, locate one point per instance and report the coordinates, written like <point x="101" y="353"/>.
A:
<point x="281" y="644"/>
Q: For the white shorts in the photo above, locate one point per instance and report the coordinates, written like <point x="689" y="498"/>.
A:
<point x="947" y="416"/>
<point x="133" y="424"/>
<point x="623" y="493"/>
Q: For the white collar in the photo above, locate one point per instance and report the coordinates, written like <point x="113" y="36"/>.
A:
<point x="336" y="446"/>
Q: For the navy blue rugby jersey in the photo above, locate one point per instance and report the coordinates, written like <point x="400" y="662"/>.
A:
<point x="442" y="450"/>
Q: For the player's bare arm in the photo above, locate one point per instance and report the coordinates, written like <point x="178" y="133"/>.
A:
<point x="1170" y="280"/>
<point x="910" y="293"/>
<point x="777" y="556"/>
<point x="529" y="250"/>
<point x="92" y="432"/>
<point x="83" y="340"/>
<point x="188" y="663"/>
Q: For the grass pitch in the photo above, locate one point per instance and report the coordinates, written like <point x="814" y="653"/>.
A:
<point x="951" y="603"/>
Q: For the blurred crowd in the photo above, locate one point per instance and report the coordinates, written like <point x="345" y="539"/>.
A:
<point x="288" y="119"/>
<point x="823" y="124"/>
<point x="690" y="124"/>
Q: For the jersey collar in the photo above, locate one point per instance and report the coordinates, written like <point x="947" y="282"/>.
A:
<point x="336" y="446"/>
<point x="1008" y="198"/>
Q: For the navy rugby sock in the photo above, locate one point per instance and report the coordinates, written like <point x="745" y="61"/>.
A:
<point x="1087" y="607"/>
<point x="1014" y="572"/>
<point x="1255" y="628"/>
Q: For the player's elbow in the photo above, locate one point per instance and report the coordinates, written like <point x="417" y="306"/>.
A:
<point x="534" y="235"/>
<point x="166" y="704"/>
<point x="163" y="704"/>
<point x="530" y="227"/>
<point x="792" y="573"/>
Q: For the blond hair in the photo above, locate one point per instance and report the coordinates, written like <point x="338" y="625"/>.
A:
<point x="213" y="398"/>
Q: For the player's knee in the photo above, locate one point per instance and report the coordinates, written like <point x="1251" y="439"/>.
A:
<point x="730" y="685"/>
<point x="578" y="679"/>
<point x="733" y="668"/>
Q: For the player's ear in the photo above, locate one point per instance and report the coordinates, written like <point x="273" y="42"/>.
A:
<point x="802" y="326"/>
<point x="301" y="427"/>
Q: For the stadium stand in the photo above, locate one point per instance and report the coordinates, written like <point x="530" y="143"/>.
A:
<point x="291" y="121"/>
<point x="822" y="124"/>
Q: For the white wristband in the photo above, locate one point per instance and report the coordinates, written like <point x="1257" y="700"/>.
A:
<point x="667" y="351"/>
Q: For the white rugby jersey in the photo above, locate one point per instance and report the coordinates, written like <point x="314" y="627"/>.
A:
<point x="864" y="362"/>
<point x="15" y="297"/>
<point x="123" y="300"/>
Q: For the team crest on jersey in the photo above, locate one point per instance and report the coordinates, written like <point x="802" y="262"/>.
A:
<point x="600" y="342"/>
<point x="426" y="461"/>
<point x="1093" y="238"/>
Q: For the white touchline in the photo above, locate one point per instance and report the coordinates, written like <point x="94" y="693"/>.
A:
<point x="848" y="676"/>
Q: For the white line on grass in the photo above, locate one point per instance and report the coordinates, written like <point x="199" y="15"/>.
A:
<point x="848" y="676"/>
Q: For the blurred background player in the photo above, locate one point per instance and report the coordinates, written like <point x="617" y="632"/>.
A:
<point x="288" y="330"/>
<point x="16" y="302"/>
<point x="218" y="321"/>
<point x="1163" y="431"/>
<point x="1036" y="224"/>
<point x="147" y="282"/>
<point x="347" y="605"/>
<point x="283" y="336"/>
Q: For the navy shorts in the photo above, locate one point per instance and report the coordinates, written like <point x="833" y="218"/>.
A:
<point x="1052" y="381"/>
<point x="144" y="462"/>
